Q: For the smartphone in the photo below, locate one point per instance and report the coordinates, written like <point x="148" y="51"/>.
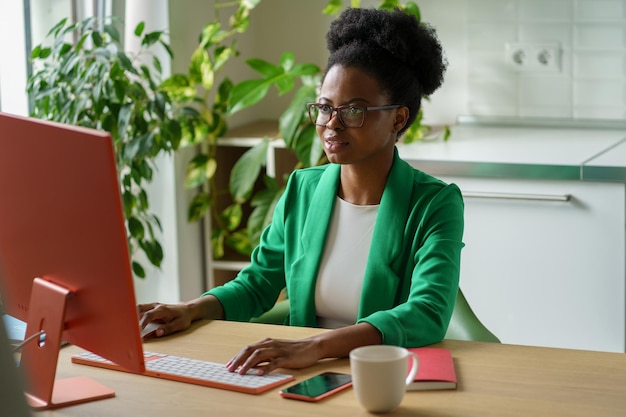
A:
<point x="318" y="387"/>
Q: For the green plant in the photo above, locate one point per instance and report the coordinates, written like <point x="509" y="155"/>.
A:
<point x="209" y="106"/>
<point x="92" y="82"/>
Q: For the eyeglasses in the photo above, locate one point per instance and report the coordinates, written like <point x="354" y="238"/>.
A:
<point x="349" y="115"/>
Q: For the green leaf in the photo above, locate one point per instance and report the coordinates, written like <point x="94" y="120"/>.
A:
<point x="65" y="48"/>
<point x="151" y="38"/>
<point x="389" y="4"/>
<point x="136" y="228"/>
<point x="200" y="169"/>
<point x="304" y="69"/>
<point x="287" y="60"/>
<point x="81" y="41"/>
<point x="35" y="52"/>
<point x="129" y="202"/>
<point x="156" y="63"/>
<point x="126" y="63"/>
<point x="167" y="48"/>
<point x="246" y="94"/>
<point x="413" y="9"/>
<point x="263" y="202"/>
<point x="113" y="32"/>
<point x="179" y="88"/>
<point x="222" y="55"/>
<point x="199" y="56"/>
<point x="207" y="75"/>
<point x="307" y="153"/>
<point x="446" y="133"/>
<point x="250" y="4"/>
<point x="231" y="216"/>
<point x="240" y="20"/>
<point x="246" y="170"/>
<point x="56" y="28"/>
<point x="97" y="39"/>
<point x="291" y="119"/>
<point x="139" y="28"/>
<point x="153" y="251"/>
<point x="44" y="53"/>
<point x="264" y="68"/>
<point x="138" y="269"/>
<point x="198" y="206"/>
<point x="284" y="84"/>
<point x="123" y="118"/>
<point x="208" y="32"/>
<point x="332" y="7"/>
<point x="217" y="243"/>
<point x="240" y="241"/>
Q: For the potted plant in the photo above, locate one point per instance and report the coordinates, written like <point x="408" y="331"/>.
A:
<point x="92" y="82"/>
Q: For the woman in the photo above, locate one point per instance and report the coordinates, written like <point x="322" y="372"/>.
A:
<point x="366" y="245"/>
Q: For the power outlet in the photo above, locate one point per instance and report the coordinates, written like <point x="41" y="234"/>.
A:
<point x="533" y="56"/>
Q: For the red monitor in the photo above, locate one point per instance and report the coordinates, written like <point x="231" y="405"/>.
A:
<point x="65" y="264"/>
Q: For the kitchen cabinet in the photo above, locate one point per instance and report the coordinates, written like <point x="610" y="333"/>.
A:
<point x="544" y="260"/>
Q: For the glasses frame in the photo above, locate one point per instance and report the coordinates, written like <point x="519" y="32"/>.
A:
<point x="337" y="111"/>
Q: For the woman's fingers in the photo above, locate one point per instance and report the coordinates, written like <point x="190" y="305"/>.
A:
<point x="171" y="318"/>
<point x="270" y="354"/>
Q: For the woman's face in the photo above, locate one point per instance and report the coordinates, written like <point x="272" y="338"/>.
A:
<point x="370" y="143"/>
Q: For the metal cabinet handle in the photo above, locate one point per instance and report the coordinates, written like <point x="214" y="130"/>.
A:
<point x="513" y="196"/>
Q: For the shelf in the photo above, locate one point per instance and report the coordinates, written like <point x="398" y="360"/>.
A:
<point x="231" y="147"/>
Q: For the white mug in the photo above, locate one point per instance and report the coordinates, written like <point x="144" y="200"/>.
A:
<point x="380" y="377"/>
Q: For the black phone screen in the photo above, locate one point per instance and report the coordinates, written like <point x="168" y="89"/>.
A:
<point x="319" y="384"/>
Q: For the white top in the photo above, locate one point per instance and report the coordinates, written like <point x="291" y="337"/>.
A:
<point x="340" y="278"/>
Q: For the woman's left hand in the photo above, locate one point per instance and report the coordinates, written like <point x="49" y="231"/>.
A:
<point x="269" y="354"/>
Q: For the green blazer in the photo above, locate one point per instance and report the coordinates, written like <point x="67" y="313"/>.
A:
<point x="412" y="273"/>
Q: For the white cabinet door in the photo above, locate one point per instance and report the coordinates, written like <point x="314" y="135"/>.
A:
<point x="546" y="272"/>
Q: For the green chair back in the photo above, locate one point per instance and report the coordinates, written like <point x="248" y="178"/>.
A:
<point x="464" y="325"/>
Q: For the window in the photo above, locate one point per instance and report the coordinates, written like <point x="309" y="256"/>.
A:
<point x="25" y="24"/>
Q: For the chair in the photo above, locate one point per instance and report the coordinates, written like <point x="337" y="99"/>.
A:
<point x="464" y="325"/>
<point x="275" y="315"/>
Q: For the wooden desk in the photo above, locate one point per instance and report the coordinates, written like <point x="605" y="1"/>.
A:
<point x="494" y="380"/>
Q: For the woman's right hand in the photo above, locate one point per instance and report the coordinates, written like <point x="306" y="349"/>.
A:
<point x="174" y="318"/>
<point x="171" y="318"/>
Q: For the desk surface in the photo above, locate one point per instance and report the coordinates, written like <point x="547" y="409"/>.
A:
<point x="494" y="380"/>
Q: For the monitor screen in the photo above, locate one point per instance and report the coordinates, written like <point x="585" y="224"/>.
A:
<point x="63" y="246"/>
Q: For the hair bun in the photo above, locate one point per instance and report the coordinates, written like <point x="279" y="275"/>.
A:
<point x="399" y="34"/>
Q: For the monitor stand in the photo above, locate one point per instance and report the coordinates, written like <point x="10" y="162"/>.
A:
<point x="39" y="358"/>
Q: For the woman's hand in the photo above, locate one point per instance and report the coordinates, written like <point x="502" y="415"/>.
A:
<point x="171" y="317"/>
<point x="269" y="354"/>
<point x="178" y="317"/>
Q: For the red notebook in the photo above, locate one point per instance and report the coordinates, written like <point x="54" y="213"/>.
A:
<point x="435" y="371"/>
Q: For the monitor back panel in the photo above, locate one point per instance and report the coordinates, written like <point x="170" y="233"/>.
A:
<point x="61" y="219"/>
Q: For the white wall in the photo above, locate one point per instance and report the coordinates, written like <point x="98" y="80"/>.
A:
<point x="13" y="98"/>
<point x="590" y="34"/>
<point x="181" y="273"/>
